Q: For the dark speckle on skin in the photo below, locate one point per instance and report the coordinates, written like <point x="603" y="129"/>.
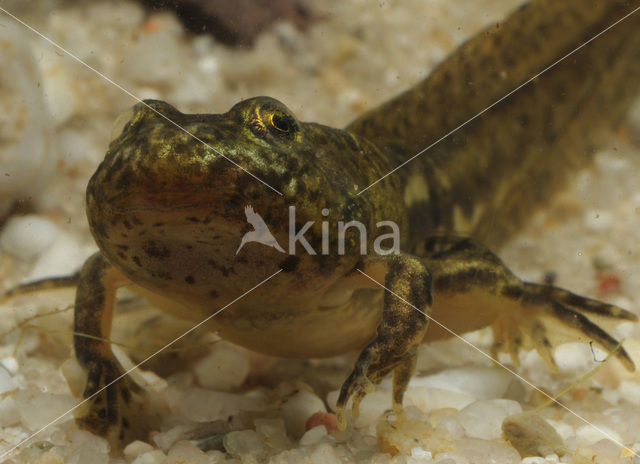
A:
<point x="290" y="264"/>
<point x="164" y="275"/>
<point x="154" y="250"/>
<point x="101" y="230"/>
<point x="190" y="280"/>
<point x="224" y="270"/>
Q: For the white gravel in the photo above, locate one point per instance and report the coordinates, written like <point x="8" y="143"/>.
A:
<point x="359" y="54"/>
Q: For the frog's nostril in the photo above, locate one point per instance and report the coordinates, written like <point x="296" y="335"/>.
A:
<point x="120" y="123"/>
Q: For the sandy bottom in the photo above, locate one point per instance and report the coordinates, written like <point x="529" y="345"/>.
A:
<point x="359" y="54"/>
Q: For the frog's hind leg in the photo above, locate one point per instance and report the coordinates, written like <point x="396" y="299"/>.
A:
<point x="42" y="285"/>
<point x="115" y="407"/>
<point x="527" y="315"/>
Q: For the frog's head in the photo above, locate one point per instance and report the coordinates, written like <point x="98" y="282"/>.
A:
<point x="182" y="190"/>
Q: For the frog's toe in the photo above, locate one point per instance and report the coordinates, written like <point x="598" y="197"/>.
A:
<point x="507" y="337"/>
<point x="512" y="335"/>
<point x="373" y="365"/>
<point x="542" y="345"/>
<point x="570" y="309"/>
<point x="357" y="385"/>
<point x="542" y="308"/>
<point x="115" y="408"/>
<point x="581" y="304"/>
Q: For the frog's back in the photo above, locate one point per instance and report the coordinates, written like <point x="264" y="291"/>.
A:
<point x="486" y="177"/>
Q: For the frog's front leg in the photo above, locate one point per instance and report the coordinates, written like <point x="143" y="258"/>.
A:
<point x="463" y="286"/>
<point x="115" y="407"/>
<point x="407" y="301"/>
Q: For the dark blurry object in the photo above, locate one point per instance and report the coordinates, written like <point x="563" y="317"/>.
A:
<point x="236" y="22"/>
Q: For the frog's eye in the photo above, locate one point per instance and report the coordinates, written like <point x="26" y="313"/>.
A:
<point x="271" y="120"/>
<point x="283" y="122"/>
<point x="120" y="123"/>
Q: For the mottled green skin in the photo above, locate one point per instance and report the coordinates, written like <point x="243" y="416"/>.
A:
<point x="167" y="209"/>
<point x="513" y="157"/>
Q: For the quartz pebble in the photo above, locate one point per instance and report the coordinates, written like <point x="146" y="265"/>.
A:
<point x="10" y="364"/>
<point x="313" y="436"/>
<point x="483" y="419"/>
<point x="476" y="381"/>
<point x="273" y="433"/>
<point x="479" y="451"/>
<point x="38" y="409"/>
<point x="65" y="255"/>
<point x="450" y="458"/>
<point x="458" y="387"/>
<point x="202" y="405"/>
<point x="607" y="451"/>
<point x="400" y="437"/>
<point x="9" y="412"/>
<point x="151" y="457"/>
<point x="6" y="382"/>
<point x="185" y="452"/>
<point x="225" y="368"/>
<point x="135" y="449"/>
<point x="27" y="237"/>
<point x="89" y="448"/>
<point x="158" y="50"/>
<point x="371" y="408"/>
<point x="324" y="454"/>
<point x="532" y="435"/>
<point x="575" y="357"/>
<point x="27" y="149"/>
<point x="75" y="376"/>
<point x="590" y="433"/>
<point x="243" y="442"/>
<point x="297" y="407"/>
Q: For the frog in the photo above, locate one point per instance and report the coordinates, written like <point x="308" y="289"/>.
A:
<point x="169" y="206"/>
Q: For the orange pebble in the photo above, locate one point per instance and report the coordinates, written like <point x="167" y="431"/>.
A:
<point x="328" y="419"/>
<point x="607" y="283"/>
<point x="150" y="26"/>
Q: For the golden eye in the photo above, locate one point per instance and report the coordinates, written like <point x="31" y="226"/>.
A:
<point x="120" y="123"/>
<point x="283" y="122"/>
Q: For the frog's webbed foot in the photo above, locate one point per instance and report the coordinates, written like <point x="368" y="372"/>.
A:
<point x="526" y="315"/>
<point x="407" y="301"/>
<point x="116" y="408"/>
<point x="546" y="302"/>
<point x="118" y="412"/>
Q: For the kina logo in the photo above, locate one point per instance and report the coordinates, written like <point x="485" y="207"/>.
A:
<point x="260" y="232"/>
